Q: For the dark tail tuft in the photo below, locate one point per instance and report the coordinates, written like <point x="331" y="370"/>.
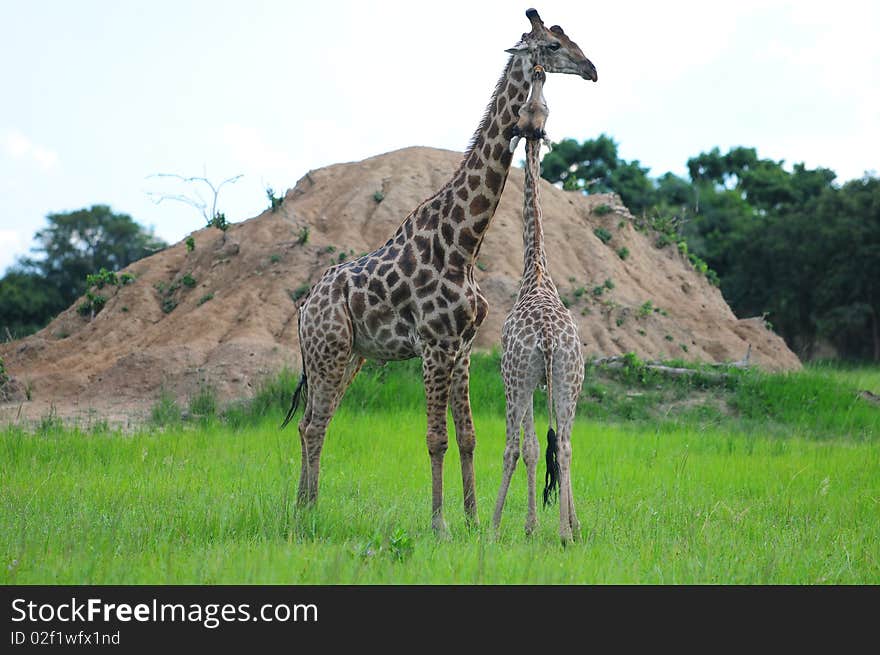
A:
<point x="294" y="403"/>
<point x="551" y="478"/>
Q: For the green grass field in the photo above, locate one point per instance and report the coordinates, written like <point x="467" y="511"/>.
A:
<point x="768" y="479"/>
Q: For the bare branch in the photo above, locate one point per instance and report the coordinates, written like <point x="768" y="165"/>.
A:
<point x="198" y="202"/>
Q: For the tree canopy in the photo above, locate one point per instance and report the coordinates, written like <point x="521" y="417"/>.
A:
<point x="790" y="245"/>
<point x="72" y="245"/>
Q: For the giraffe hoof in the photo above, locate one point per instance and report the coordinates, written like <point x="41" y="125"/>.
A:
<point x="441" y="531"/>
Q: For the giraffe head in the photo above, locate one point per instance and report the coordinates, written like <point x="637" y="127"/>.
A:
<point x="552" y="49"/>
<point x="533" y="113"/>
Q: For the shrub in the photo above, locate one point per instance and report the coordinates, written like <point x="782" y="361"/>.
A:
<point x="602" y="210"/>
<point x="190" y="244"/>
<point x="219" y="221"/>
<point x="299" y="292"/>
<point x="188" y="281"/>
<point x="609" y="284"/>
<point x="603" y="234"/>
<point x="303" y="236"/>
<point x="274" y="259"/>
<point x="646" y="309"/>
<point x="165" y="410"/>
<point x="274" y="201"/>
<point x="378" y="196"/>
<point x="623" y="252"/>
<point x="204" y="299"/>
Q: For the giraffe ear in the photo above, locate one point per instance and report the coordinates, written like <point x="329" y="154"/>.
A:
<point x="519" y="49"/>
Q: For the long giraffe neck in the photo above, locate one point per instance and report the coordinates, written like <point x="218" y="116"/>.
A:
<point x="456" y="218"/>
<point x="535" y="271"/>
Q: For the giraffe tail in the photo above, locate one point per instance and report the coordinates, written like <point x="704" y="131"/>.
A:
<point x="303" y="386"/>
<point x="551" y="477"/>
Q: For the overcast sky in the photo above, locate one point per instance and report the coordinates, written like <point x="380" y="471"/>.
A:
<point x="97" y="96"/>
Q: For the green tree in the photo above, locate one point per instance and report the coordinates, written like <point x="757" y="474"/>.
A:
<point x="72" y="245"/>
<point x="26" y="300"/>
<point x="595" y="167"/>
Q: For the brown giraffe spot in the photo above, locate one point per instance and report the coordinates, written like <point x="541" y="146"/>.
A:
<point x="506" y="156"/>
<point x="478" y="164"/>
<point x="407" y="261"/>
<point x="439" y="257"/>
<point x="436" y="204"/>
<point x="441" y="303"/>
<point x="466" y="239"/>
<point x="487" y="149"/>
<point x="382" y="271"/>
<point x="493" y="131"/>
<point x="517" y="75"/>
<point x="423" y="247"/>
<point x="408" y="228"/>
<point x="462" y="193"/>
<point x="400" y="294"/>
<point x="506" y="117"/>
<point x="427" y="307"/>
<point x="371" y="265"/>
<point x="427" y="290"/>
<point x="427" y="220"/>
<point x="448" y="293"/>
<point x="405" y="313"/>
<point x="510" y="91"/>
<point x="473" y="181"/>
<point x="481" y="225"/>
<point x="498" y="150"/>
<point x="401" y="329"/>
<point x="493" y="180"/>
<point x="457" y="214"/>
<point x="400" y="239"/>
<point x="448" y="233"/>
<point x="377" y="287"/>
<point x="437" y="325"/>
<point x="479" y="204"/>
<point x="357" y="304"/>
<point x="374" y="321"/>
<point x="447" y="198"/>
<point x="462" y="317"/>
<point x="482" y="310"/>
<point x="392" y="278"/>
<point x="422" y="278"/>
<point x="456" y="261"/>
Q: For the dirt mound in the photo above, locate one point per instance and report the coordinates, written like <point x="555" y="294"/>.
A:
<point x="224" y="313"/>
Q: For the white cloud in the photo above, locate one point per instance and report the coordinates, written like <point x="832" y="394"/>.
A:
<point x="12" y="244"/>
<point x="18" y="146"/>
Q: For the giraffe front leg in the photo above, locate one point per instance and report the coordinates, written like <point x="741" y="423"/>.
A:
<point x="465" y="435"/>
<point x="437" y="366"/>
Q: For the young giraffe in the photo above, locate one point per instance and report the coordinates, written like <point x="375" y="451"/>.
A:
<point x="416" y="295"/>
<point x="539" y="343"/>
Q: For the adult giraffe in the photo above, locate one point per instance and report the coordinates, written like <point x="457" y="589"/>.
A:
<point x="416" y="295"/>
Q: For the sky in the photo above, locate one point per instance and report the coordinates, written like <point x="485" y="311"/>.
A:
<point x="97" y="97"/>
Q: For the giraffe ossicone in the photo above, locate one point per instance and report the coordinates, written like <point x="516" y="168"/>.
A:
<point x="416" y="296"/>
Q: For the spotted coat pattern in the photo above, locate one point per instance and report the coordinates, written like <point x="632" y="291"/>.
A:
<point x="540" y="345"/>
<point x="415" y="296"/>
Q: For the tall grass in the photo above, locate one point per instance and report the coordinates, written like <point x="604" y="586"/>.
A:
<point x="669" y="505"/>
<point x="761" y="479"/>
